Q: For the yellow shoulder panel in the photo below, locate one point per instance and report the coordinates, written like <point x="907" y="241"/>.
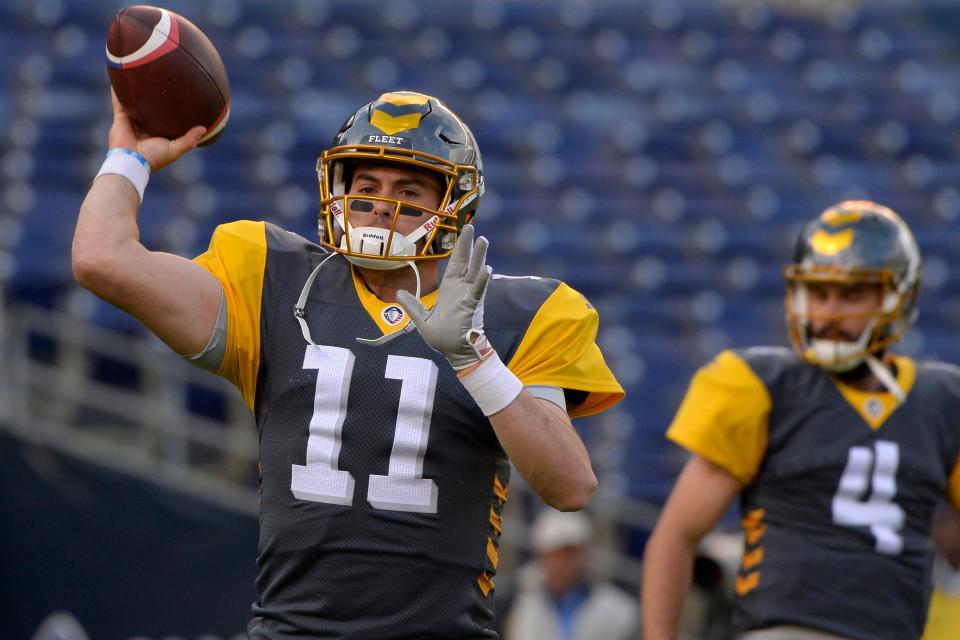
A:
<point x="725" y="416"/>
<point x="559" y="349"/>
<point x="237" y="257"/>
<point x="943" y="618"/>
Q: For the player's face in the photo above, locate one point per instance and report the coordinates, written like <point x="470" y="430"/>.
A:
<point x="841" y="311"/>
<point x="385" y="180"/>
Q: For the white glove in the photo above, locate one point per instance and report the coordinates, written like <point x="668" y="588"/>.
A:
<point x="454" y="326"/>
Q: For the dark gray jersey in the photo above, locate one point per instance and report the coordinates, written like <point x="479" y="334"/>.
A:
<point x="837" y="508"/>
<point x="381" y="481"/>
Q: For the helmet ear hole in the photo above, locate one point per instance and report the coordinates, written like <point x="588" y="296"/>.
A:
<point x="447" y="241"/>
<point x="444" y="242"/>
<point x="334" y="234"/>
<point x="890" y="300"/>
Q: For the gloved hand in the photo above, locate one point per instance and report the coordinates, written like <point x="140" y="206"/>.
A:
<point x="454" y="326"/>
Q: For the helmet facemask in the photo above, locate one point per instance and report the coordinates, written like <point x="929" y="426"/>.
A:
<point x="854" y="243"/>
<point x="886" y="325"/>
<point x="386" y="248"/>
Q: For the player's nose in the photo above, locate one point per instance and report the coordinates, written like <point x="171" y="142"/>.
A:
<point x="377" y="211"/>
<point x="383" y="209"/>
<point x="828" y="303"/>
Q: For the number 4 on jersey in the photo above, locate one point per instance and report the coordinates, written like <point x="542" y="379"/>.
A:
<point x="879" y="512"/>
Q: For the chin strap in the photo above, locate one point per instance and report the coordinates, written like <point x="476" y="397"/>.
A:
<point x="299" y="309"/>
<point x="885" y="377"/>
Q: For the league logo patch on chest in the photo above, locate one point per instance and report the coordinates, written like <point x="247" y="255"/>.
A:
<point x="393" y="315"/>
<point x="873" y="407"/>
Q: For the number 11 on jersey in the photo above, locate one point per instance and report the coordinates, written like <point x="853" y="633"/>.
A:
<point x="403" y="488"/>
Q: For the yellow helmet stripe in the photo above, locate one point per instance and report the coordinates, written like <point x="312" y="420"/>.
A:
<point x="837" y="218"/>
<point x="829" y="244"/>
<point x="403" y="99"/>
<point x="394" y="124"/>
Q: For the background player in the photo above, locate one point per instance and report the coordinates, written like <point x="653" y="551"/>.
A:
<point x="839" y="453"/>
<point x="384" y="453"/>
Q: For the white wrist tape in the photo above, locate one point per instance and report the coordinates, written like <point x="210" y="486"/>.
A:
<point x="129" y="164"/>
<point x="492" y="385"/>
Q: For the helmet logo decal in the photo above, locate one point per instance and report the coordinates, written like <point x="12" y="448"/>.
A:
<point x="395" y="112"/>
<point x="394" y="124"/>
<point x="829" y="244"/>
<point x="393" y="315"/>
<point x="873" y="407"/>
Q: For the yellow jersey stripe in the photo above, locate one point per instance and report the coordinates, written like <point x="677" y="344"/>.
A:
<point x="499" y="490"/>
<point x="496" y="521"/>
<point x="486" y="583"/>
<point x="744" y="584"/>
<point x="752" y="558"/>
<point x="492" y="554"/>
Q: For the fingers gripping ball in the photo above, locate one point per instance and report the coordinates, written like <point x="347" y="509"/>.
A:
<point x="166" y="73"/>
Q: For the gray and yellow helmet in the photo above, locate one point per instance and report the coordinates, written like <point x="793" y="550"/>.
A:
<point x="854" y="242"/>
<point x="412" y="129"/>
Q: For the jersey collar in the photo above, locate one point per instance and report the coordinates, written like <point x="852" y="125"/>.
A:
<point x="876" y="407"/>
<point x="388" y="316"/>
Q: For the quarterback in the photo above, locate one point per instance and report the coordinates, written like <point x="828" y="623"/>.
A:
<point x="390" y="394"/>
<point x="839" y="451"/>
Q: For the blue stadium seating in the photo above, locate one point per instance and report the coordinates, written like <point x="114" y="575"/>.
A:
<point x="659" y="156"/>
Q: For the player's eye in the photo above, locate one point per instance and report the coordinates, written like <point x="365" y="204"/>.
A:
<point x="852" y="294"/>
<point x="817" y="293"/>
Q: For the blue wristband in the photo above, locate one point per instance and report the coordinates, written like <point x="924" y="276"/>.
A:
<point x="129" y="152"/>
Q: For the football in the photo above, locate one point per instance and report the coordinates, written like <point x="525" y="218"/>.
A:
<point x="166" y="73"/>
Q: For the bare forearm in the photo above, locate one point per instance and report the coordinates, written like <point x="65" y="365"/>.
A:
<point x="702" y="494"/>
<point x="667" y="572"/>
<point x="548" y="453"/>
<point x="106" y="230"/>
